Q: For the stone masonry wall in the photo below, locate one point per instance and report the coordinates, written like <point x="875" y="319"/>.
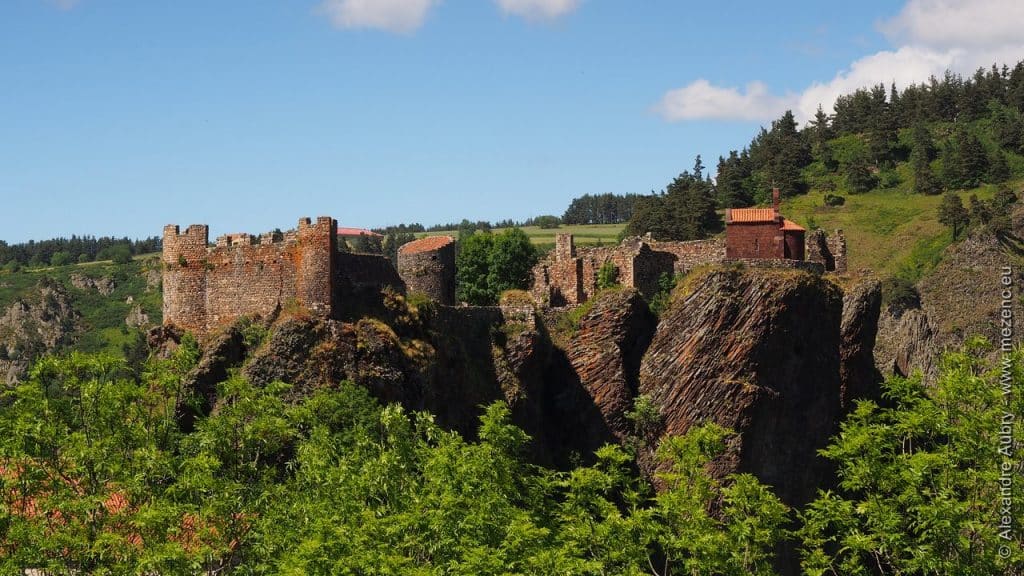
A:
<point x="827" y="250"/>
<point x="205" y="288"/>
<point x="692" y="253"/>
<point x="569" y="275"/>
<point x="428" y="266"/>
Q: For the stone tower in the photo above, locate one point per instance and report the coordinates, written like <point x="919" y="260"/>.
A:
<point x="427" y="265"/>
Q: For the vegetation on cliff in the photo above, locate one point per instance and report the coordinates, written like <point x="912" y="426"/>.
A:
<point x="97" y="477"/>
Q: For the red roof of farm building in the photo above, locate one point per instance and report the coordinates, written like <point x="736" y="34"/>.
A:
<point x="751" y="215"/>
<point x="356" y="232"/>
<point x="790" y="225"/>
<point x="426" y="244"/>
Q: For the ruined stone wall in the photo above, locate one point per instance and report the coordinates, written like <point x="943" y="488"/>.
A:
<point x="827" y="250"/>
<point x="754" y="240"/>
<point x="366" y="272"/>
<point x="814" y="267"/>
<point x="205" y="288"/>
<point x="570" y="275"/>
<point x="837" y="245"/>
<point x="428" y="266"/>
<point x="692" y="253"/>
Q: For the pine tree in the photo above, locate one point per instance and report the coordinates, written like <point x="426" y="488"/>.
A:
<point x="999" y="168"/>
<point x="952" y="213"/>
<point x="1006" y="129"/>
<point x="925" y="181"/>
<point x="731" y="185"/>
<point x="973" y="159"/>
<point x="980" y="211"/>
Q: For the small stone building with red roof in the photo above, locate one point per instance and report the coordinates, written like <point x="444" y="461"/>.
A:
<point x="762" y="233"/>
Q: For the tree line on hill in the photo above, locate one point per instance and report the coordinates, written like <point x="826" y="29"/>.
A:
<point x="63" y="251"/>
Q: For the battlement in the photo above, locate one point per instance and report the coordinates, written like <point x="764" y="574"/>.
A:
<point x="243" y="274"/>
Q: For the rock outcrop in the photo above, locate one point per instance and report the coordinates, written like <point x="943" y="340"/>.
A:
<point x="601" y="369"/>
<point x="906" y="344"/>
<point x="859" y="378"/>
<point x="105" y="286"/>
<point x="960" y="298"/>
<point x="757" y="351"/>
<point x="35" y="325"/>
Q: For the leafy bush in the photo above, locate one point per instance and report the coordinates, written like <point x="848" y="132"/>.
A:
<point x="60" y="259"/>
<point x="900" y="295"/>
<point x="607" y="275"/>
<point x="834" y="200"/>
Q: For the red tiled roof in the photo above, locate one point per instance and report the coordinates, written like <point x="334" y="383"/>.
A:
<point x="790" y="225"/>
<point x="356" y="232"/>
<point x="426" y="244"/>
<point x="752" y="215"/>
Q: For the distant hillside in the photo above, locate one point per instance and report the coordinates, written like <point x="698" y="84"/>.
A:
<point x="94" y="307"/>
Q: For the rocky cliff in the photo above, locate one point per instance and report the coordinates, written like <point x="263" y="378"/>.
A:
<point x="41" y="322"/>
<point x="773" y="354"/>
<point x="960" y="298"/>
<point x="757" y="352"/>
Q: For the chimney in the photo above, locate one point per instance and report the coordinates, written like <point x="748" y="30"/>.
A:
<point x="775" y="200"/>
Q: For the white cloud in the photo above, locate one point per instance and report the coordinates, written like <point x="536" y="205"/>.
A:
<point x="947" y="24"/>
<point x="930" y="37"/>
<point x="538" y="9"/>
<point x="701" y="99"/>
<point x="400" y="16"/>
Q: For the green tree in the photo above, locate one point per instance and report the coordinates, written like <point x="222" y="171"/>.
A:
<point x="952" y="213"/>
<point x="980" y="211"/>
<point x="859" y="177"/>
<point x="60" y="259"/>
<point x="730" y="185"/>
<point x="394" y="240"/>
<point x="367" y="244"/>
<point x="999" y="168"/>
<point x="919" y="479"/>
<point x="472" y="267"/>
<point x="511" y="261"/>
<point x="1007" y="129"/>
<point x="964" y="160"/>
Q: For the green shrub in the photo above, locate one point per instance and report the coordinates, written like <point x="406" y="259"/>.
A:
<point x="60" y="259"/>
<point x="607" y="276"/>
<point x="834" y="200"/>
<point x="899" y="295"/>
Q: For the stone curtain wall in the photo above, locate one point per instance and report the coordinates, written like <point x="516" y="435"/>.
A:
<point x="692" y="253"/>
<point x="754" y="240"/>
<point x="209" y="287"/>
<point x="428" y="266"/>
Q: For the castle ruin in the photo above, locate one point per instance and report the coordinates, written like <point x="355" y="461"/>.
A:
<point x="244" y="275"/>
<point x="207" y="287"/>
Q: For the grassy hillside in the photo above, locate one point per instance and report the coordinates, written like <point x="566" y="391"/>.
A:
<point x="890" y="231"/>
<point x="102" y="325"/>
<point x="585" y="235"/>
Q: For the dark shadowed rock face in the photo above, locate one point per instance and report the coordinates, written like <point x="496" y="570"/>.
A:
<point x="312" y="353"/>
<point x="859" y="378"/>
<point x="223" y="352"/>
<point x="603" y="357"/>
<point x="757" y="352"/>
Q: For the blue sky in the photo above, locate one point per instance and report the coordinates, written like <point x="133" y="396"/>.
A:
<point x="120" y="116"/>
